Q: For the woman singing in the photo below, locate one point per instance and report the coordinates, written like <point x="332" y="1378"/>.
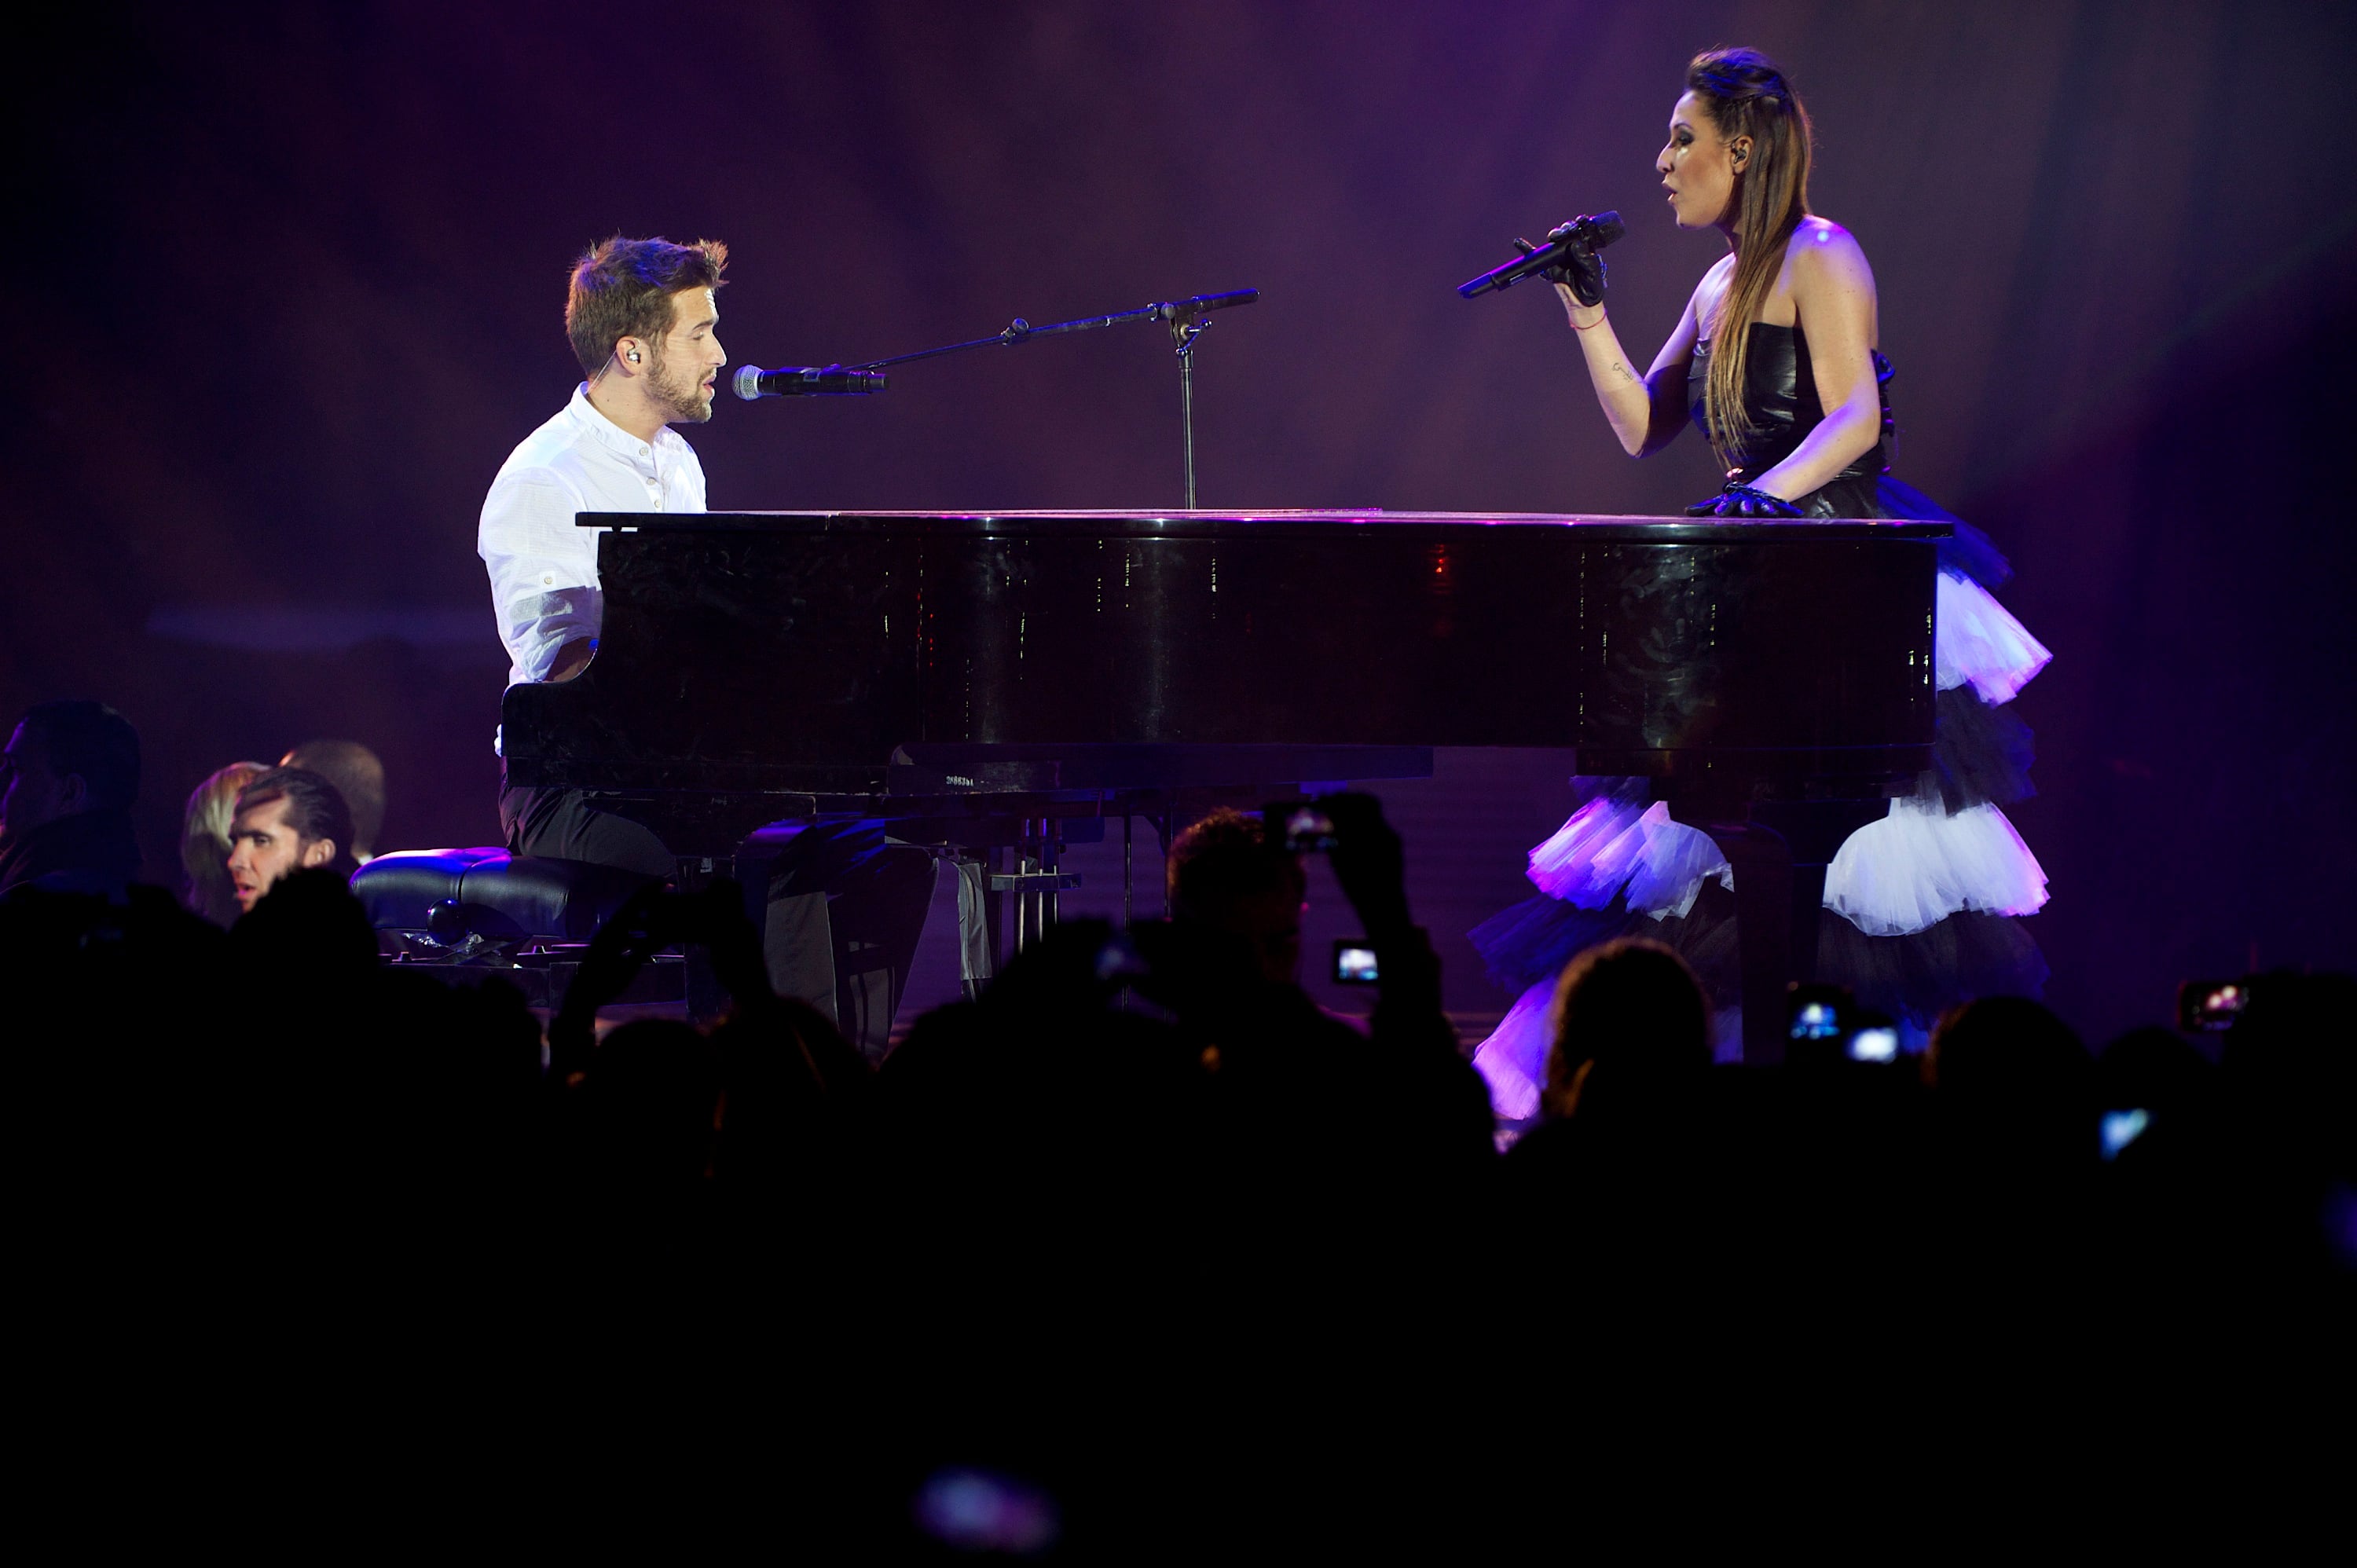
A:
<point x="1776" y="364"/>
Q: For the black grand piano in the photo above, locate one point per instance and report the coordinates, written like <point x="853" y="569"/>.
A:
<point x="983" y="680"/>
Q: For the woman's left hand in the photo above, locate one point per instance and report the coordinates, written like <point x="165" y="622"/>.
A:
<point x="1738" y="500"/>
<point x="1581" y="270"/>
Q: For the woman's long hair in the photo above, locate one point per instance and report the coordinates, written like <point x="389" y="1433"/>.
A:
<point x="1747" y="96"/>
<point x="204" y="841"/>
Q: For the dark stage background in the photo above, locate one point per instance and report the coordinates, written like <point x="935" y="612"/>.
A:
<point x="290" y="285"/>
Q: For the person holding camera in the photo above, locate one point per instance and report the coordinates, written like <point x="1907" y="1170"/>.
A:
<point x="1775" y="361"/>
<point x="1233" y="975"/>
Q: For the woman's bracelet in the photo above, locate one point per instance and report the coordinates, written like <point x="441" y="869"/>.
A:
<point x="1599" y="321"/>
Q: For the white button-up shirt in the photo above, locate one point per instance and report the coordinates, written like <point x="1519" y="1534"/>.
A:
<point x="544" y="569"/>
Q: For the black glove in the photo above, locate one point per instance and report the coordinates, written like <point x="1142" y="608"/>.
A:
<point x="1581" y="269"/>
<point x="1739" y="499"/>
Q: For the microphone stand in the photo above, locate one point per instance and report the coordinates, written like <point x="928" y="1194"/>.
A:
<point x="1183" y="333"/>
<point x="1187" y="319"/>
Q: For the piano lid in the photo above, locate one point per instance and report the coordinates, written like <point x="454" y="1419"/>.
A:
<point x="802" y="650"/>
<point x="1276" y="523"/>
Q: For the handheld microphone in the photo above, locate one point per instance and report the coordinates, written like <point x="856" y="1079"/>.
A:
<point x="807" y="381"/>
<point x="1587" y="234"/>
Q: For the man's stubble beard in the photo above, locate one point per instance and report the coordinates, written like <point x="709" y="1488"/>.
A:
<point x="685" y="404"/>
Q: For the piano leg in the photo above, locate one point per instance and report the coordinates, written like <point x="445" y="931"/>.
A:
<point x="1767" y="892"/>
<point x="1780" y="893"/>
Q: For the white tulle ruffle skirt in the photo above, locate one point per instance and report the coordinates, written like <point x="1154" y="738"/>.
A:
<point x="1920" y="906"/>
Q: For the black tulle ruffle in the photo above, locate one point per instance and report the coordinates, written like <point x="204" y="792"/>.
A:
<point x="1920" y="976"/>
<point x="1980" y="754"/>
<point x="1967" y="552"/>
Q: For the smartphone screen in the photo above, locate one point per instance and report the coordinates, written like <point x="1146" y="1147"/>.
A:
<point x="1815" y="1013"/>
<point x="2210" y="1004"/>
<point x="1874" y="1045"/>
<point x="1354" y="962"/>
<point x="2121" y="1128"/>
<point x="1309" y="830"/>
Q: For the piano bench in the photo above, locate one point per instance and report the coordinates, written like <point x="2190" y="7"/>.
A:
<point x="452" y="898"/>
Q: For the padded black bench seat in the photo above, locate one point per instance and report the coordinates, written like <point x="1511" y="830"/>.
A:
<point x="451" y="894"/>
<point x="467" y="913"/>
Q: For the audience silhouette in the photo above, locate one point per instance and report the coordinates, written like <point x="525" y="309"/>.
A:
<point x="68" y="773"/>
<point x="1142" y="1188"/>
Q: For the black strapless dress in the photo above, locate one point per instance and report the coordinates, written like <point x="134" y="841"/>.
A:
<point x="1922" y="908"/>
<point x="1780" y="395"/>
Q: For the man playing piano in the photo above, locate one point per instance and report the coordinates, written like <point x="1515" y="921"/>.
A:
<point x="644" y="318"/>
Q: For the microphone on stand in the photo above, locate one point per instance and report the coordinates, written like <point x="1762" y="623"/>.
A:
<point x="1186" y="310"/>
<point x="807" y="381"/>
<point x="1587" y="234"/>
<point x="1187" y="321"/>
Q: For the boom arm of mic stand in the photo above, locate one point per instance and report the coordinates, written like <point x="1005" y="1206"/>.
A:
<point x="1188" y="318"/>
<point x="1017" y="331"/>
<point x="1022" y="331"/>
